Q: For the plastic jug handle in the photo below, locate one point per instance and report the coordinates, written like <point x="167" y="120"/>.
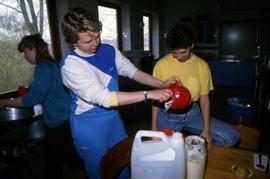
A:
<point x="145" y="133"/>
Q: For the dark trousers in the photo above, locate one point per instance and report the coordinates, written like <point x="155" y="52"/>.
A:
<point x="60" y="149"/>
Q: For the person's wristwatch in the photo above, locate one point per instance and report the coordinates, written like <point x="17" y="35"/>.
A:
<point x="145" y="96"/>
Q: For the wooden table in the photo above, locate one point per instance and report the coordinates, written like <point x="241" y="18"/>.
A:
<point x="220" y="160"/>
<point x="218" y="166"/>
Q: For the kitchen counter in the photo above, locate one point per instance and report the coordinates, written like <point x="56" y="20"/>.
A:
<point x="233" y="72"/>
<point x="15" y="130"/>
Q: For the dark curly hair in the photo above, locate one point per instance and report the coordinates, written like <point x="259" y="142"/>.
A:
<point x="36" y="41"/>
<point x="181" y="36"/>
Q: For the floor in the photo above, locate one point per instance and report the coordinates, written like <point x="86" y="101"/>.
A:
<point x="135" y="117"/>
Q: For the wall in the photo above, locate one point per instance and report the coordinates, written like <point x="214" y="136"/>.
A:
<point x="132" y="12"/>
<point x="217" y="11"/>
<point x="176" y="9"/>
<point x="165" y="15"/>
<point x="63" y="6"/>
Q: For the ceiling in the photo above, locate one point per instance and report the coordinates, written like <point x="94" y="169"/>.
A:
<point x="243" y="5"/>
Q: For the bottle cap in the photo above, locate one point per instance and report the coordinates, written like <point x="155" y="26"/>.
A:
<point x="168" y="132"/>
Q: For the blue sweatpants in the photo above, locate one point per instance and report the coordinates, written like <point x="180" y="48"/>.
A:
<point x="94" y="135"/>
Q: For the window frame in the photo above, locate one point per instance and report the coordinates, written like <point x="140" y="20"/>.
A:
<point x="54" y="41"/>
<point x="149" y="15"/>
<point x="118" y="20"/>
<point x="54" y="30"/>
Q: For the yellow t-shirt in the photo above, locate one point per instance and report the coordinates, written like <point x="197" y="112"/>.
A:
<point x="194" y="73"/>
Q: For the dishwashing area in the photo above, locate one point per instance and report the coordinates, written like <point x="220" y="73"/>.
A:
<point x="22" y="153"/>
<point x="21" y="137"/>
<point x="23" y="145"/>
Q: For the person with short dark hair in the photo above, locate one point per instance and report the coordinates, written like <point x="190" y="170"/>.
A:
<point x="195" y="75"/>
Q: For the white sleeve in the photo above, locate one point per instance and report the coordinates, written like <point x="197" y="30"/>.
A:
<point x="124" y="66"/>
<point x="81" y="78"/>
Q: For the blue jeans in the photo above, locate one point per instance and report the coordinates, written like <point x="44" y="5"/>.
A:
<point x="222" y="133"/>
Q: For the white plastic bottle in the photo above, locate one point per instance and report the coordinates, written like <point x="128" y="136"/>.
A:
<point x="160" y="158"/>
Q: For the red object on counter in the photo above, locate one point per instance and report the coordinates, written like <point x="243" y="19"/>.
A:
<point x="181" y="96"/>
<point x="168" y="132"/>
<point x="22" y="90"/>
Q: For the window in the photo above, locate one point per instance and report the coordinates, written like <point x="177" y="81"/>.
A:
<point x="147" y="32"/>
<point x="16" y="21"/>
<point x="109" y="16"/>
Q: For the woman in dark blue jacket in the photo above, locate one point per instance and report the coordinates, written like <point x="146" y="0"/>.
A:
<point x="47" y="89"/>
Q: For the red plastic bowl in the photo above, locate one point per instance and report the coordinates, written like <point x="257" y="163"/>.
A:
<point x="181" y="96"/>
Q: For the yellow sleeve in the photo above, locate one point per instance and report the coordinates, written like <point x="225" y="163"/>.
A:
<point x="113" y="99"/>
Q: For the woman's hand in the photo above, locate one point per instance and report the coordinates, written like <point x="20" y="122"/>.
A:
<point x="207" y="136"/>
<point x="172" y="80"/>
<point x="161" y="94"/>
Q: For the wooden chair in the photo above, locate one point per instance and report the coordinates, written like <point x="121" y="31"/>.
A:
<point x="116" y="159"/>
<point x="249" y="137"/>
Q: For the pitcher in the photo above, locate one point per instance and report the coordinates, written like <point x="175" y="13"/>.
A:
<point x="195" y="157"/>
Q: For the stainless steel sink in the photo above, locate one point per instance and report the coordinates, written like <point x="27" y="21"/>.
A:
<point x="15" y="113"/>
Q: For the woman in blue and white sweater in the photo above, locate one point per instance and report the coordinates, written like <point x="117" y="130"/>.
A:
<point x="91" y="71"/>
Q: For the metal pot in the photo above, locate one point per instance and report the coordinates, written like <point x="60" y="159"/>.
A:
<point x="15" y="113"/>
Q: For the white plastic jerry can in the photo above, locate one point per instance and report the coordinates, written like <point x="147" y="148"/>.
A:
<point x="163" y="157"/>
